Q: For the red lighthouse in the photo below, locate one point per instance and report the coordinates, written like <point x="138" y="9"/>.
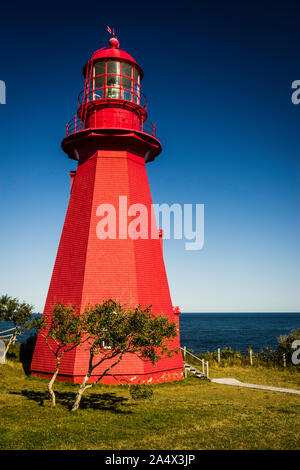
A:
<point x="112" y="141"/>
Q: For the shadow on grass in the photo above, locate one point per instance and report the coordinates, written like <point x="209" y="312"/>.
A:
<point x="103" y="401"/>
<point x="26" y="352"/>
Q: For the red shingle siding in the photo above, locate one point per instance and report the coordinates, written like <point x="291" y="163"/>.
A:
<point x="89" y="270"/>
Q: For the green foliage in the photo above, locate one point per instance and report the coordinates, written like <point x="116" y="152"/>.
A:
<point x="227" y="353"/>
<point x="141" y="392"/>
<point x="63" y="329"/>
<point x="20" y="313"/>
<point x="133" y="330"/>
<point x="113" y="330"/>
<point x="285" y="344"/>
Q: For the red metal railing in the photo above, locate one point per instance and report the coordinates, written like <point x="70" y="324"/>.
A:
<point x="112" y="92"/>
<point x="76" y="124"/>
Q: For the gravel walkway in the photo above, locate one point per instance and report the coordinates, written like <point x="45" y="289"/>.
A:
<point x="237" y="383"/>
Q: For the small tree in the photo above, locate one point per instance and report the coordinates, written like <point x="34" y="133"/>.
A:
<point x="63" y="331"/>
<point x="114" y="331"/>
<point x="285" y="345"/>
<point x="19" y="313"/>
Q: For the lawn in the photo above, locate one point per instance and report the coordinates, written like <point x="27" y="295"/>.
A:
<point x="191" y="414"/>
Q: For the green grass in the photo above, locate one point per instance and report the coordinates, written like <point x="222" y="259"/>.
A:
<point x="191" y="414"/>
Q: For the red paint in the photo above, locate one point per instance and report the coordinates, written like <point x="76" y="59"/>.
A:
<point x="111" y="150"/>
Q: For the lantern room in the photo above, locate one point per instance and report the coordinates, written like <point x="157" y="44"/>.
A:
<point x="112" y="96"/>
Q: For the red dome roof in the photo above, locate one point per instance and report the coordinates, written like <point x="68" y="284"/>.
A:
<point x="113" y="52"/>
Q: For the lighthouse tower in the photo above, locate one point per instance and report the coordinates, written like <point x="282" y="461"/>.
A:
<point x="112" y="140"/>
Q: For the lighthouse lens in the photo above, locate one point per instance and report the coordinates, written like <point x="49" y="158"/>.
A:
<point x="112" y="90"/>
<point x="113" y="93"/>
<point x="113" y="80"/>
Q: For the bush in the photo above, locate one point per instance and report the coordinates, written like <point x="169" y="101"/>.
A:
<point x="285" y="344"/>
<point x="141" y="392"/>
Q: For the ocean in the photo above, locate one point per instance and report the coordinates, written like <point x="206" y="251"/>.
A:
<point x="203" y="332"/>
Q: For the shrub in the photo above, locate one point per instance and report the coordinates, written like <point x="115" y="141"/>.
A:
<point x="141" y="392"/>
<point x="285" y="345"/>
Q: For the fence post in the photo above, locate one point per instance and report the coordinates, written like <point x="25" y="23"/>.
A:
<point x="207" y="370"/>
<point x="284" y="360"/>
<point x="185" y="373"/>
<point x="203" y="371"/>
<point x="219" y="355"/>
<point x="184" y="351"/>
<point x="251" y="358"/>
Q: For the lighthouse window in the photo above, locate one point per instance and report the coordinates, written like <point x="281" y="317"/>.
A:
<point x="113" y="67"/>
<point x="126" y="83"/>
<point x="99" y="81"/>
<point x="126" y="69"/>
<point x="113" y="93"/>
<point x="96" y="95"/>
<point x="127" y="87"/>
<point x="98" y="88"/>
<point x="113" y="86"/>
<point x="136" y="93"/>
<point x="100" y="68"/>
<point x="115" y="79"/>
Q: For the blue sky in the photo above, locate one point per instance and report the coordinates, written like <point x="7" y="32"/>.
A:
<point x="218" y="80"/>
